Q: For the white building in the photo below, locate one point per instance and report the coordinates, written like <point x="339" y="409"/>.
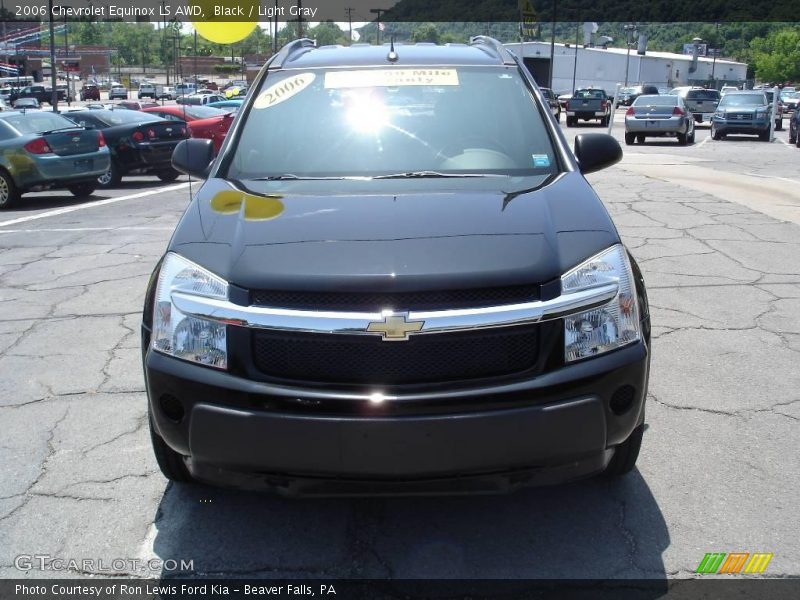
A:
<point x="605" y="68"/>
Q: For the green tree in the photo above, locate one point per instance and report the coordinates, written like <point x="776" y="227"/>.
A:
<point x="776" y="57"/>
<point x="327" y="34"/>
<point x="426" y="32"/>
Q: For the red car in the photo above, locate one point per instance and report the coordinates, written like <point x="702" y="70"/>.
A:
<point x="204" y="121"/>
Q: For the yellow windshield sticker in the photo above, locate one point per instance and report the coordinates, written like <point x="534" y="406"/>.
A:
<point x="335" y="80"/>
<point x="283" y="90"/>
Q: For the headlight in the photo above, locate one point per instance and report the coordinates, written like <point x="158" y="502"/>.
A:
<point x="607" y="327"/>
<point x="719" y="114"/>
<point x="181" y="336"/>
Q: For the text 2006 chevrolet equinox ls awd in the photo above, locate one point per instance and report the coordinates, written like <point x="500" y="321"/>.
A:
<point x="395" y="279"/>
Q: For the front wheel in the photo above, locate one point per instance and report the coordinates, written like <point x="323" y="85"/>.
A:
<point x="570" y="121"/>
<point x="9" y="194"/>
<point x="82" y="190"/>
<point x="168" y="175"/>
<point x="170" y="462"/>
<point x="779" y="125"/>
<point x="625" y="455"/>
<point x="111" y="177"/>
<point x="715" y="134"/>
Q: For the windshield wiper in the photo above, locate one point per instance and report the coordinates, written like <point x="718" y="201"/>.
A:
<point x="60" y="129"/>
<point x="293" y="177"/>
<point x="423" y="174"/>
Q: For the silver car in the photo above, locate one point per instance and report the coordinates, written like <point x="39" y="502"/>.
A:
<point x="659" y="116"/>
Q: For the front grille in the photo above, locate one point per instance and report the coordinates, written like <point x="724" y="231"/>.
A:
<point x="352" y="359"/>
<point x="740" y="116"/>
<point x="374" y="302"/>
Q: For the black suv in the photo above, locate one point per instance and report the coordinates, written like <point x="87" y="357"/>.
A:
<point x="395" y="279"/>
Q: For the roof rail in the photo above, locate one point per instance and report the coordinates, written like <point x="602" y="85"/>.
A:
<point x="289" y="49"/>
<point x="497" y="48"/>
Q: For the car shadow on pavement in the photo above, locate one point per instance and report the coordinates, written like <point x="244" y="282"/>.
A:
<point x="594" y="529"/>
<point x="62" y="198"/>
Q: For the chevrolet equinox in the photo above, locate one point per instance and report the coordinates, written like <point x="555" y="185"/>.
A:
<point x="395" y="279"/>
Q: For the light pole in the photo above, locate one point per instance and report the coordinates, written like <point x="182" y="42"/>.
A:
<point x="630" y="32"/>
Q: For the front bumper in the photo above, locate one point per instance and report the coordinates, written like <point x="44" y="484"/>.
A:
<point x="549" y="429"/>
<point x="725" y="126"/>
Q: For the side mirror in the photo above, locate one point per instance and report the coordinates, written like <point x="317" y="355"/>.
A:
<point x="193" y="157"/>
<point x="595" y="151"/>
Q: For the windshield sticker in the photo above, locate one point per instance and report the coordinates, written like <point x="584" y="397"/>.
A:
<point x="540" y="160"/>
<point x="335" y="80"/>
<point x="283" y="90"/>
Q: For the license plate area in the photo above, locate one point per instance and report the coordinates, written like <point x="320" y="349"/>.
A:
<point x="84" y="164"/>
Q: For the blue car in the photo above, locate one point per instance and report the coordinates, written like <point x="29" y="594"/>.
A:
<point x="43" y="150"/>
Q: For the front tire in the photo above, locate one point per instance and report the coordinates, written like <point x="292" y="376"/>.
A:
<point x="170" y="462"/>
<point x="570" y="121"/>
<point x="111" y="177"/>
<point x="779" y="125"/>
<point x="9" y="194"/>
<point x="625" y="455"/>
<point x="82" y="190"/>
<point x="715" y="135"/>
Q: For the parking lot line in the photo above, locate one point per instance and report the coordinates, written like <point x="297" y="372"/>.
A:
<point x="82" y="229"/>
<point x="703" y="142"/>
<point x="92" y="204"/>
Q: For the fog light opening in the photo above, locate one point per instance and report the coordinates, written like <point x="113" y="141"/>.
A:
<point x="172" y="407"/>
<point x="622" y="400"/>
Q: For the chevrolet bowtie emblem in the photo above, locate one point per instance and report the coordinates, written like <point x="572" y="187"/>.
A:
<point x="395" y="328"/>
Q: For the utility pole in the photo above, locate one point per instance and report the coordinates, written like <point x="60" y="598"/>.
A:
<point x="195" y="56"/>
<point x="275" y="37"/>
<point x="66" y="61"/>
<point x="575" y="66"/>
<point x="54" y="95"/>
<point x="630" y="30"/>
<point x="299" y="19"/>
<point x="552" y="47"/>
<point x="164" y="38"/>
<point x="378" y="11"/>
<point x="349" y="12"/>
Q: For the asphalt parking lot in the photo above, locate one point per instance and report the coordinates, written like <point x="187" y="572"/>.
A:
<point x="716" y="229"/>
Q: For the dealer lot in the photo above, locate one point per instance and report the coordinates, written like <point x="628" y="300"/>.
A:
<point x="716" y="229"/>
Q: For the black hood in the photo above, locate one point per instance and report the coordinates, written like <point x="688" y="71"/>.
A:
<point x="393" y="242"/>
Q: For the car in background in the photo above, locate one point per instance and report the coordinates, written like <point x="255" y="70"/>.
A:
<point x="42" y="150"/>
<point x="204" y="122"/>
<point x="136" y="104"/>
<point x="90" y="91"/>
<point x="588" y="104"/>
<point x="205" y="91"/>
<point x="627" y="95"/>
<point x="233" y="104"/>
<point x="185" y="89"/>
<point x="742" y="113"/>
<point x="167" y="92"/>
<point x="118" y="92"/>
<point x="139" y="143"/>
<point x="794" y="128"/>
<point x="701" y="103"/>
<point x="147" y="90"/>
<point x="26" y="104"/>
<point x="659" y="116"/>
<point x="728" y="88"/>
<point x="770" y="94"/>
<point x="199" y="99"/>
<point x="552" y="102"/>
<point x="790" y="100"/>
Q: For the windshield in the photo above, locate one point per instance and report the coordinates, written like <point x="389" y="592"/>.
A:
<point x="433" y="122"/>
<point x="656" y="101"/>
<point x="121" y="117"/>
<point x="743" y="100"/>
<point x="702" y="95"/>
<point x="38" y="122"/>
<point x="202" y="112"/>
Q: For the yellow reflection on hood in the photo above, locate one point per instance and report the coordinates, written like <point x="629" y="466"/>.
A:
<point x="256" y="208"/>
